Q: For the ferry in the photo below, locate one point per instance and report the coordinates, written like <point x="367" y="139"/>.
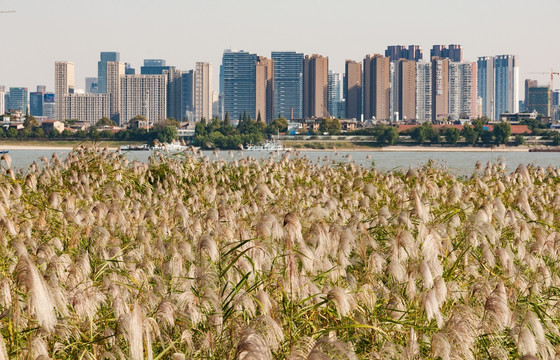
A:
<point x="142" y="147"/>
<point x="174" y="146"/>
<point x="268" y="145"/>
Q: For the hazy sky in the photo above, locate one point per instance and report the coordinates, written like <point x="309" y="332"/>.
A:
<point x="185" y="31"/>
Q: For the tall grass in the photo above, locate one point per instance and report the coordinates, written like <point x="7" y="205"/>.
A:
<point x="190" y="258"/>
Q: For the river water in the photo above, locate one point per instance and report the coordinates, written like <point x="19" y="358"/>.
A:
<point x="458" y="163"/>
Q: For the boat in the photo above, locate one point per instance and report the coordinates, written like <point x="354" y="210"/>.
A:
<point x="142" y="147"/>
<point x="4" y="151"/>
<point x="173" y="146"/>
<point x="268" y="145"/>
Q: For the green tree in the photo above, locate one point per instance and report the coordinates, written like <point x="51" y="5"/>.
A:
<point x="12" y="133"/>
<point x="452" y="135"/>
<point x="556" y="138"/>
<point x="167" y="134"/>
<point x="227" y="121"/>
<point x="330" y="125"/>
<point x="30" y="122"/>
<point x="105" y="122"/>
<point x="388" y="135"/>
<point x="470" y="134"/>
<point x="281" y="123"/>
<point x="38" y="132"/>
<point x="501" y="132"/>
<point x="519" y="140"/>
<point x="486" y="137"/>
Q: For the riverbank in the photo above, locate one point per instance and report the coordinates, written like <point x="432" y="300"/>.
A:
<point x="58" y="145"/>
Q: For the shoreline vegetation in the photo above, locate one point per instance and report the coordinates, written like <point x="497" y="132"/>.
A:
<point x="184" y="257"/>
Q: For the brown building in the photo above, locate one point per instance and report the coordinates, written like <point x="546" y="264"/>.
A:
<point x="529" y="84"/>
<point x="440" y="89"/>
<point x="264" y="89"/>
<point x="315" y="85"/>
<point x="407" y="89"/>
<point x="353" y="89"/>
<point x="377" y="86"/>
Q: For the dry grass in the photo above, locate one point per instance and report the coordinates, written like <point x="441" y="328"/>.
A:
<point x="187" y="257"/>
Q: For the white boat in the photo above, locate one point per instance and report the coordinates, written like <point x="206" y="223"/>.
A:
<point x="268" y="145"/>
<point x="142" y="147"/>
<point x="174" y="146"/>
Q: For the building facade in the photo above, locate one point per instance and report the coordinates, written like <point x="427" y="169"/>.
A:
<point x="104" y="58"/>
<point x="238" y="83"/>
<point x="538" y="99"/>
<point x="36" y="101"/>
<point x="440" y="89"/>
<point x="144" y="95"/>
<point x="264" y="89"/>
<point x="462" y="90"/>
<point x="187" y="95"/>
<point x="18" y="99"/>
<point x="334" y="95"/>
<point x="407" y="89"/>
<point x="91" y="85"/>
<point x="506" y="68"/>
<point x="115" y="70"/>
<point x="353" y="89"/>
<point x="203" y="91"/>
<point x="315" y="86"/>
<point x="423" y="91"/>
<point x="288" y="84"/>
<point x="376" y="87"/>
<point x="486" y="85"/>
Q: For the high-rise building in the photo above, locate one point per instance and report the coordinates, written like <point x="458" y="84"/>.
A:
<point x="462" y="90"/>
<point x="49" y="110"/>
<point x="440" y="89"/>
<point x="36" y="101"/>
<point x="238" y="83"/>
<point x="128" y="69"/>
<point x="144" y="95"/>
<point x="506" y="68"/>
<point x="18" y="99"/>
<point x="528" y="84"/>
<point x="538" y="99"/>
<point x="174" y="86"/>
<point x="315" y="85"/>
<point x="115" y="70"/>
<point x="453" y="53"/>
<point x="264" y="89"/>
<point x="353" y="89"/>
<point x="288" y="84"/>
<point x="63" y="85"/>
<point x="407" y="89"/>
<point x="91" y="85"/>
<point x="424" y="91"/>
<point x="104" y="57"/>
<point x="187" y="95"/>
<point x="394" y="91"/>
<point x="376" y="87"/>
<point x="203" y="91"/>
<point x="2" y="101"/>
<point x="334" y="99"/>
<point x="486" y="80"/>
<point x="215" y="105"/>
<point x="397" y="52"/>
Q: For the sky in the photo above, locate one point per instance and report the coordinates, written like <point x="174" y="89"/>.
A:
<point x="184" y="31"/>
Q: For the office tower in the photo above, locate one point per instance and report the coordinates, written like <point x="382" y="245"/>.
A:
<point x="115" y="70"/>
<point x="63" y="85"/>
<point x="528" y="84"/>
<point x="128" y="69"/>
<point x="264" y="89"/>
<point x="506" y="68"/>
<point x="407" y="89"/>
<point x="174" y="88"/>
<point x="334" y="99"/>
<point x="424" y="91"/>
<point x="36" y="101"/>
<point x="18" y="99"/>
<point x="376" y="87"/>
<point x="49" y="110"/>
<point x="105" y="57"/>
<point x="353" y="89"/>
<point x="440" y="89"/>
<point x="238" y="83"/>
<point x="288" y="84"/>
<point x="462" y="90"/>
<point x="144" y="95"/>
<point x="439" y="51"/>
<point x="187" y="95"/>
<point x="152" y="63"/>
<point x="486" y="85"/>
<point x="315" y="85"/>
<point x="455" y="53"/>
<point x="203" y="91"/>
<point x="91" y="85"/>
<point x="538" y="99"/>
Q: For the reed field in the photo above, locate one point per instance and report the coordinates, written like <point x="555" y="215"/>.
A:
<point x="190" y="257"/>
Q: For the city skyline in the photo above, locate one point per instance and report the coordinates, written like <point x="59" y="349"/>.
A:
<point x="232" y="25"/>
